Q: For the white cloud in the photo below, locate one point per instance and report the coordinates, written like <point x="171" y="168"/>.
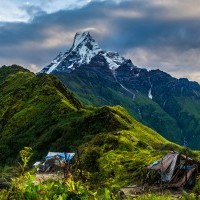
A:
<point x="51" y="6"/>
<point x="164" y="9"/>
<point x="127" y="13"/>
<point x="176" y="9"/>
<point x="11" y="11"/>
<point x="30" y="66"/>
<point x="16" y="11"/>
<point x="33" y="68"/>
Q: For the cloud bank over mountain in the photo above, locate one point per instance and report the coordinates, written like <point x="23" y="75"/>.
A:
<point x="154" y="34"/>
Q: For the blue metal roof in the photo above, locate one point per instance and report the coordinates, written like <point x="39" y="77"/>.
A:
<point x="62" y="155"/>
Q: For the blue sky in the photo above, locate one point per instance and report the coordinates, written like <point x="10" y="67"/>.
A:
<point x="162" y="34"/>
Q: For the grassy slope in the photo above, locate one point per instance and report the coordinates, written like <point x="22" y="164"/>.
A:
<point x="39" y="111"/>
<point x="99" y="91"/>
<point x="190" y="120"/>
<point x="32" y="107"/>
<point x="120" y="157"/>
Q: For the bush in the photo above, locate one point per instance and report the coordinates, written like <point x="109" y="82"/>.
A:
<point x="26" y="187"/>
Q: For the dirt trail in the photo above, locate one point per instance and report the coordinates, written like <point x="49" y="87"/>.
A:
<point x="44" y="176"/>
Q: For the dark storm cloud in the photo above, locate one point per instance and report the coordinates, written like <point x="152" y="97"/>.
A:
<point x="150" y="32"/>
<point x="130" y="27"/>
<point x="152" y="29"/>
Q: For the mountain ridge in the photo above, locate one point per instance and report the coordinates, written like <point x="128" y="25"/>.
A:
<point x="83" y="50"/>
<point x="39" y="111"/>
<point x="155" y="98"/>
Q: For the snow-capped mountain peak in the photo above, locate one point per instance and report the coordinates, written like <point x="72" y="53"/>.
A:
<point x="78" y="39"/>
<point x="85" y="40"/>
<point x="113" y="59"/>
<point x="84" y="48"/>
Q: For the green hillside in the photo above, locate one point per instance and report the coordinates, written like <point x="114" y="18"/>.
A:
<point x="98" y="77"/>
<point x="118" y="158"/>
<point x="99" y="91"/>
<point x="38" y="111"/>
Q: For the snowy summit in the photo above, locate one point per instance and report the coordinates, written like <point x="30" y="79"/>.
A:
<point x="84" y="48"/>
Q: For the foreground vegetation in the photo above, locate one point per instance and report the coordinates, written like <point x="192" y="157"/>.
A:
<point x="26" y="186"/>
<point x="38" y="111"/>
